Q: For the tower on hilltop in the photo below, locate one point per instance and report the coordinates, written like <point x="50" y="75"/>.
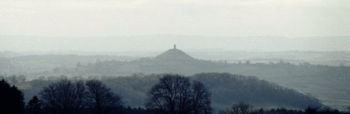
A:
<point x="174" y="54"/>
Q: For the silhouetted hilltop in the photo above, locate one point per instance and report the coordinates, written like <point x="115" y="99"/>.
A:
<point x="174" y="55"/>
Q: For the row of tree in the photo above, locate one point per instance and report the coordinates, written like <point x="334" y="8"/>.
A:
<point x="76" y="97"/>
<point x="243" y="108"/>
<point x="62" y="97"/>
<point x="173" y="94"/>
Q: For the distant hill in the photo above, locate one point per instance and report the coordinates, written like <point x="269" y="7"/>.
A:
<point x="226" y="89"/>
<point x="171" y="61"/>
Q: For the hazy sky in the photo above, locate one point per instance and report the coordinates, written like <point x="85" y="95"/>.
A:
<point x="53" y="19"/>
<point x="185" y="17"/>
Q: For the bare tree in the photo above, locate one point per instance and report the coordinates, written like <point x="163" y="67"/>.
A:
<point x="201" y="99"/>
<point x="240" y="108"/>
<point x="64" y="97"/>
<point x="101" y="99"/>
<point x="174" y="95"/>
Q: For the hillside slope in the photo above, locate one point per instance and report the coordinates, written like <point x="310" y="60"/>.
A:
<point x="226" y="89"/>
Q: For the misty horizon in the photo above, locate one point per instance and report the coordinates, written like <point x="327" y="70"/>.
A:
<point x="174" y="56"/>
<point x="157" y="43"/>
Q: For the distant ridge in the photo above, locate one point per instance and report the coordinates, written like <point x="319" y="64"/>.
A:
<point x="174" y="54"/>
<point x="331" y="85"/>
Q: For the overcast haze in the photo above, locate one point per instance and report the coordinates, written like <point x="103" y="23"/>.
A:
<point x="44" y="25"/>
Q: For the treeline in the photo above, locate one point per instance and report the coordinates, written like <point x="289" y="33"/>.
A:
<point x="62" y="97"/>
<point x="243" y="108"/>
<point x="171" y="94"/>
<point x="225" y="88"/>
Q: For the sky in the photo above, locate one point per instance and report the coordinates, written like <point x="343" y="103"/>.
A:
<point x="44" y="25"/>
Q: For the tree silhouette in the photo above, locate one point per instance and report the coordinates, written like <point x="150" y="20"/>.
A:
<point x="11" y="99"/>
<point x="174" y="95"/>
<point x="34" y="106"/>
<point x="201" y="99"/>
<point x="311" y="110"/>
<point x="67" y="97"/>
<point x="64" y="97"/>
<point x="101" y="99"/>
<point x="240" y="108"/>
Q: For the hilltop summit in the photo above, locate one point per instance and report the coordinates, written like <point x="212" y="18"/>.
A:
<point x="174" y="54"/>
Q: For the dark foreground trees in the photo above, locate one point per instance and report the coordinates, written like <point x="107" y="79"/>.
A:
<point x="64" y="97"/>
<point x="11" y="99"/>
<point x="175" y="94"/>
<point x="200" y="98"/>
<point x="34" y="106"/>
<point x="243" y="108"/>
<point x="100" y="98"/>
<point x="240" y="108"/>
<point x="67" y="97"/>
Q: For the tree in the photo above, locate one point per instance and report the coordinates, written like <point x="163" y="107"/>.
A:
<point x="174" y="95"/>
<point x="311" y="110"/>
<point x="101" y="100"/>
<point x="34" y="106"/>
<point x="64" y="97"/>
<point x="240" y="108"/>
<point x="170" y="95"/>
<point x="201" y="99"/>
<point x="11" y="99"/>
